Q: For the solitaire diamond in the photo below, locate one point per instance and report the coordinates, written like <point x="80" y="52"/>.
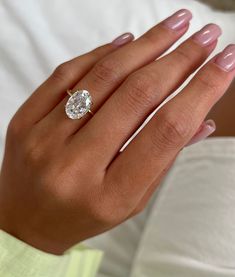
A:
<point x="78" y="104"/>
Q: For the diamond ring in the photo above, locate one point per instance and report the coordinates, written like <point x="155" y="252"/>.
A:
<point x="78" y="104"/>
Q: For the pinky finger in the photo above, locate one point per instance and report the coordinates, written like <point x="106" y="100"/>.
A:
<point x="205" y="130"/>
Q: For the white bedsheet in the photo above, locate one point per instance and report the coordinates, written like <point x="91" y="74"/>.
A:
<point x="35" y="36"/>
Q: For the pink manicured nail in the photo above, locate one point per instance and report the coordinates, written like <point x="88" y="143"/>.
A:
<point x="123" y="39"/>
<point x="207" y="35"/>
<point x="226" y="59"/>
<point x="178" y="20"/>
<point x="205" y="130"/>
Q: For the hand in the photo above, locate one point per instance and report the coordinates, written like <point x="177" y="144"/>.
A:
<point x="62" y="180"/>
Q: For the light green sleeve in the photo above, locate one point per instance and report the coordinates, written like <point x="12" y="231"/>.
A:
<point x="18" y="259"/>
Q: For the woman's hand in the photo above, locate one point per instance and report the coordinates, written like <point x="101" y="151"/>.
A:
<point x="63" y="180"/>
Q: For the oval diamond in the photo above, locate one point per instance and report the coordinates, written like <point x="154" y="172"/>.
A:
<point x="78" y="104"/>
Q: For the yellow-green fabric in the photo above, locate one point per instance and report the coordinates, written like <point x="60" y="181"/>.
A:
<point x="18" y="259"/>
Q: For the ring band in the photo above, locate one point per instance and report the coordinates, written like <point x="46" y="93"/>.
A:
<point x="78" y="104"/>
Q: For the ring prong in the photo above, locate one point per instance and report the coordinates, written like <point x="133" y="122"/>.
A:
<point x="91" y="112"/>
<point x="69" y="92"/>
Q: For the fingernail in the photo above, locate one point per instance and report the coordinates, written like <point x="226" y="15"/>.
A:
<point x="123" y="39"/>
<point x="226" y="59"/>
<point x="205" y="130"/>
<point x="178" y="20"/>
<point x="207" y="35"/>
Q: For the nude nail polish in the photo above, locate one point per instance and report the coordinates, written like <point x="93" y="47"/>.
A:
<point x="207" y="35"/>
<point x="226" y="59"/>
<point x="205" y="130"/>
<point x="123" y="39"/>
<point x="178" y="20"/>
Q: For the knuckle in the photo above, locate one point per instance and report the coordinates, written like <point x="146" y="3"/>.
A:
<point x="33" y="151"/>
<point x="63" y="72"/>
<point x="184" y="55"/>
<point x="17" y="127"/>
<point x="173" y="130"/>
<point x="150" y="38"/>
<point x="209" y="83"/>
<point x="14" y="128"/>
<point x="107" y="70"/>
<point x="154" y="35"/>
<point x="139" y="91"/>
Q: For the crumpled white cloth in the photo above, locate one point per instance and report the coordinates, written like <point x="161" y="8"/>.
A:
<point x="188" y="228"/>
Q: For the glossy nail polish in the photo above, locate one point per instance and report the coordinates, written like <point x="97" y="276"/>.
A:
<point x="123" y="39"/>
<point x="226" y="59"/>
<point x="178" y="20"/>
<point x="205" y="130"/>
<point x="207" y="35"/>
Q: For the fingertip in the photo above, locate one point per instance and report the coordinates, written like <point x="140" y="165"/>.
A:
<point x="226" y="59"/>
<point x="123" y="39"/>
<point x="207" y="35"/>
<point x="179" y="20"/>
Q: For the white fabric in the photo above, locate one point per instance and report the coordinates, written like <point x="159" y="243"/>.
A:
<point x="189" y="228"/>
